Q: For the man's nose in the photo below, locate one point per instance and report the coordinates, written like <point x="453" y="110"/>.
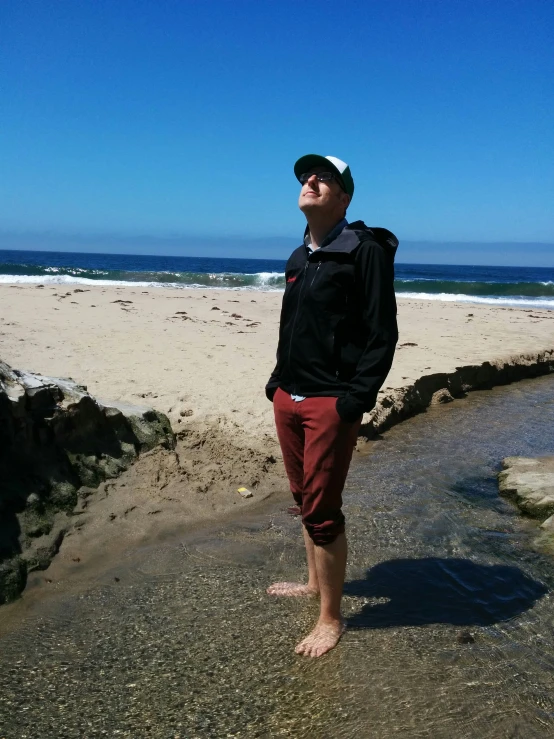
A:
<point x="312" y="181"/>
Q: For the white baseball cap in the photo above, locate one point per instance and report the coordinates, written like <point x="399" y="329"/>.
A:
<point x="335" y="165"/>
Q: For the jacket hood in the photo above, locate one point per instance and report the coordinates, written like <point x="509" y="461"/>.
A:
<point x="382" y="236"/>
<point x="354" y="234"/>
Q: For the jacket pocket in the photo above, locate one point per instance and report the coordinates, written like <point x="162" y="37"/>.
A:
<point x="337" y="364"/>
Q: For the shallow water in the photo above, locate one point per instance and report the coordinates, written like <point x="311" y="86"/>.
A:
<point x="451" y="629"/>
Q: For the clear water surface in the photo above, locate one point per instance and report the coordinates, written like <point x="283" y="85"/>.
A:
<point x="448" y="598"/>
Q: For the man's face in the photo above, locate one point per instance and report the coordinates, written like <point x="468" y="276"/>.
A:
<point x="325" y="198"/>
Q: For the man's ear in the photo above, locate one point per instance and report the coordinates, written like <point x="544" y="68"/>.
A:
<point x="346" y="199"/>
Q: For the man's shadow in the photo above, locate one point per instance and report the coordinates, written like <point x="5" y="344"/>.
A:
<point x="447" y="591"/>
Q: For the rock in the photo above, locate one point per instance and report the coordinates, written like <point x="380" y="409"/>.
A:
<point x="56" y="438"/>
<point x="530" y="484"/>
<point x="13" y="578"/>
<point x="441" y="396"/>
<point x="138" y="425"/>
<point x="38" y="555"/>
<point x="33" y="501"/>
<point x="465" y="637"/>
<point x="545" y="540"/>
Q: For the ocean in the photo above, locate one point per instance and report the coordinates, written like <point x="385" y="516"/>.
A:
<point x="515" y="286"/>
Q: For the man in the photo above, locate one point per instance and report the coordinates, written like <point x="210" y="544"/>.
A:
<point x="336" y="343"/>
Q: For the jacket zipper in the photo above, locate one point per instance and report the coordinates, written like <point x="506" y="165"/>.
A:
<point x="296" y="315"/>
<point x="316" y="271"/>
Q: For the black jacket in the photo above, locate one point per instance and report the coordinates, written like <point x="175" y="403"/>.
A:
<point x="338" y="326"/>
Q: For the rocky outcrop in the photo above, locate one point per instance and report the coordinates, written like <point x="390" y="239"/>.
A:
<point x="55" y="440"/>
<point x="548" y="526"/>
<point x="529" y="482"/>
<point x="396" y="405"/>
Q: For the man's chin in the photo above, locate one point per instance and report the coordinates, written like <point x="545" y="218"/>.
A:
<point x="309" y="206"/>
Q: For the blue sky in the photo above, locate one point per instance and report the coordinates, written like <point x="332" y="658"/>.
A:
<point x="184" y="119"/>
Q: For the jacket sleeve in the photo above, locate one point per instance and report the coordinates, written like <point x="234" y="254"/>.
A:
<point x="275" y="378"/>
<point x="377" y="303"/>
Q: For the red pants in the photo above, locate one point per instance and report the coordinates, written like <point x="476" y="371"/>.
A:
<point x="317" y="448"/>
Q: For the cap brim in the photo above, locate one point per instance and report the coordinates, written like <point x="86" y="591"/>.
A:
<point x="309" y="161"/>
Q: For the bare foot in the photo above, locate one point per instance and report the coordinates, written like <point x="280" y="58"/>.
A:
<point x="291" y="589"/>
<point x="322" y="639"/>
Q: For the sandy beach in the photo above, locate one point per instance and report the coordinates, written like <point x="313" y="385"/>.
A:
<point x="203" y="357"/>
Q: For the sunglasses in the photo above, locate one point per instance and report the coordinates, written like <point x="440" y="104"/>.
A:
<point x="321" y="177"/>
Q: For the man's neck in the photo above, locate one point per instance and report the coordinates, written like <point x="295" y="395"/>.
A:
<point x="320" y="228"/>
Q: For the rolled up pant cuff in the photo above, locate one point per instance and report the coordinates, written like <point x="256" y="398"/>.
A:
<point x="326" y="533"/>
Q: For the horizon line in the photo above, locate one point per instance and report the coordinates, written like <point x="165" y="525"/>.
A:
<point x="114" y="235"/>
